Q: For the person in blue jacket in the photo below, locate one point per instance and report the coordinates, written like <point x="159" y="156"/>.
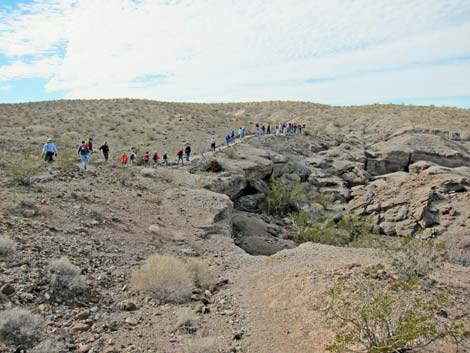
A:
<point x="49" y="151"/>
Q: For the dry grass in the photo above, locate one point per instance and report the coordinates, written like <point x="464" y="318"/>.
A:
<point x="170" y="279"/>
<point x="165" y="277"/>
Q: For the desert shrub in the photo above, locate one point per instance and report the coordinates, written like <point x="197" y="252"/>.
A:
<point x="200" y="272"/>
<point x="187" y="322"/>
<point x="20" y="327"/>
<point x="22" y="169"/>
<point x="201" y="345"/>
<point x="329" y="230"/>
<point x="418" y="258"/>
<point x="165" y="277"/>
<point x="64" y="279"/>
<point x="7" y="247"/>
<point x="25" y="208"/>
<point x="369" y="316"/>
<point x="67" y="160"/>
<point x="50" y="345"/>
<point x="282" y="197"/>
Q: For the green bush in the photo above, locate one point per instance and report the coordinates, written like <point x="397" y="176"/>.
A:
<point x="331" y="231"/>
<point x="283" y="198"/>
<point x="369" y="316"/>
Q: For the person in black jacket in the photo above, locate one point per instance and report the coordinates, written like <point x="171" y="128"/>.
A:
<point x="187" y="150"/>
<point x="105" y="149"/>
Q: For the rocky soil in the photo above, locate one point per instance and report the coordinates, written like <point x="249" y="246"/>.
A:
<point x="407" y="169"/>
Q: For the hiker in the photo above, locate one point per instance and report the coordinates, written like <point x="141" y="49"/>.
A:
<point x="187" y="151"/>
<point x="243" y="131"/>
<point x="165" y="158"/>
<point x="227" y="139"/>
<point x="179" y="156"/>
<point x="240" y="132"/>
<point x="213" y="144"/>
<point x="232" y="136"/>
<point x="268" y="130"/>
<point x="133" y="156"/>
<point x="49" y="151"/>
<point x="84" y="154"/>
<point x="155" y="159"/>
<point x="105" y="149"/>
<point x="124" y="158"/>
<point x="89" y="145"/>
<point x="146" y="158"/>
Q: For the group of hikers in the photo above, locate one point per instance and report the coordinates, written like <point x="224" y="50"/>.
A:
<point x="281" y="128"/>
<point x="85" y="151"/>
<point x="131" y="157"/>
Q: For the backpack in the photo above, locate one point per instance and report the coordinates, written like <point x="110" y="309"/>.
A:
<point x="84" y="149"/>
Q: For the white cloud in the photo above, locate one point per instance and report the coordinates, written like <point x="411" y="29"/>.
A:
<point x="221" y="50"/>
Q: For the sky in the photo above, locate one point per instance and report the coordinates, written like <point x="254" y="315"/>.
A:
<point x="340" y="52"/>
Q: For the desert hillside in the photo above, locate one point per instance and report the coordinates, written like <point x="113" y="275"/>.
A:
<point x="351" y="235"/>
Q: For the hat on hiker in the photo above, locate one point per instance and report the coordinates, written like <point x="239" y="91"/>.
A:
<point x="49" y="140"/>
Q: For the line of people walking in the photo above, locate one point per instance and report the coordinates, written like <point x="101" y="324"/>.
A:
<point x="85" y="151"/>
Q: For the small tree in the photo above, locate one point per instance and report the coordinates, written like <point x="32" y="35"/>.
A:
<point x="282" y="197"/>
<point x="370" y="316"/>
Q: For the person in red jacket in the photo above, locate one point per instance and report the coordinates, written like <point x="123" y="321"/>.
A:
<point x="146" y="158"/>
<point x="179" y="156"/>
<point x="155" y="158"/>
<point x="124" y="158"/>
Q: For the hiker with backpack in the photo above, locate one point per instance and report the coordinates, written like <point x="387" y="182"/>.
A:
<point x="132" y="156"/>
<point x="49" y="151"/>
<point x="187" y="151"/>
<point x="146" y="158"/>
<point x="213" y="144"/>
<point x="179" y="156"/>
<point x="105" y="149"/>
<point x="84" y="154"/>
<point x="165" y="158"/>
<point x="155" y="159"/>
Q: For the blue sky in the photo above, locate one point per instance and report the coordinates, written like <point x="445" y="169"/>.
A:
<point x="340" y="52"/>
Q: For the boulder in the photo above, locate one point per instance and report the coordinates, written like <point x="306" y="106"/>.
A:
<point x="249" y="203"/>
<point x="256" y="236"/>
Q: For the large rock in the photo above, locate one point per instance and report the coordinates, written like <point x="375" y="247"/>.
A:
<point x="256" y="236"/>
<point x="251" y="162"/>
<point x="229" y="184"/>
<point x="398" y="152"/>
<point x="249" y="203"/>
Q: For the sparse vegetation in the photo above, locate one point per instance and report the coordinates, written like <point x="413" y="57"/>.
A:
<point x="371" y="316"/>
<point x="201" y="274"/>
<point x="338" y="230"/>
<point x="22" y="169"/>
<point x="64" y="279"/>
<point x="165" y="277"/>
<point x="187" y="322"/>
<point x="418" y="258"/>
<point x="282" y="197"/>
<point x="232" y="153"/>
<point x="67" y="160"/>
<point x="25" y="208"/>
<point x="20" y="327"/>
<point x="7" y="247"/>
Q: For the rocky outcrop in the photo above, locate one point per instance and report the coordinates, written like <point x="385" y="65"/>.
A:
<point x="397" y="153"/>
<point x="403" y="203"/>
